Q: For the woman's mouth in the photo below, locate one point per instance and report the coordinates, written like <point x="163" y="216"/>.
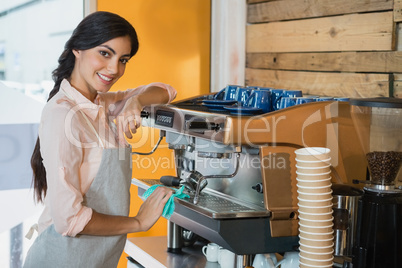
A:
<point x="104" y="78"/>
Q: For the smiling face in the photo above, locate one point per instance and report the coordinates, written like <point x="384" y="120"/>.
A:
<point x="98" y="68"/>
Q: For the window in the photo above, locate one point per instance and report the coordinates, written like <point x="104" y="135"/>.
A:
<point x="32" y="37"/>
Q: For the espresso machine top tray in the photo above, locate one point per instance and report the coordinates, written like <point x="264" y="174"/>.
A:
<point x="212" y="204"/>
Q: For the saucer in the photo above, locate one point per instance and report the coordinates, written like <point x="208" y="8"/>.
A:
<point x="219" y="102"/>
<point x="234" y="109"/>
<point x="214" y="107"/>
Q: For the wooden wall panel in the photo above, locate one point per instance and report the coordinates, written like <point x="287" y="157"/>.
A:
<point x="397" y="10"/>
<point x="397" y="85"/>
<point x="374" y="62"/>
<point x="326" y="47"/>
<point x="322" y="83"/>
<point x="297" y="9"/>
<point x="355" y="32"/>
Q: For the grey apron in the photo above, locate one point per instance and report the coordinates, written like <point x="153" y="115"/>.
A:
<point x="108" y="194"/>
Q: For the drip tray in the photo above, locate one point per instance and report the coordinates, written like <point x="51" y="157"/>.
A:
<point x="211" y="203"/>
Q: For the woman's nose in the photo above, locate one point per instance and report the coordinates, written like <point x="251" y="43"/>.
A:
<point x="113" y="67"/>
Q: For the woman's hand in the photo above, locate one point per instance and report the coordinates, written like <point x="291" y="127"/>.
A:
<point x="129" y="119"/>
<point x="152" y="208"/>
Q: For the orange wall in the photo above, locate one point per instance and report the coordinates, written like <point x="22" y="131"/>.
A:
<point x="174" y="38"/>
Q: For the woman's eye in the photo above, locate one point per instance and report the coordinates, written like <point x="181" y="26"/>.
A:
<point x="124" y="61"/>
<point x="104" y="53"/>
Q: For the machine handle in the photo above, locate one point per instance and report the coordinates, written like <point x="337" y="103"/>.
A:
<point x="144" y="114"/>
<point x="170" y="180"/>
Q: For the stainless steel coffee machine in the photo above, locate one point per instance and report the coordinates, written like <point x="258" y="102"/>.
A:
<point x="239" y="170"/>
<point x="379" y="223"/>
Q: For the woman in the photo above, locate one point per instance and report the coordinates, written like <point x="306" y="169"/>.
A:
<point x="81" y="161"/>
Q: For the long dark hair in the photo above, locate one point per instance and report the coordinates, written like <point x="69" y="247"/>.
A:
<point x="95" y="29"/>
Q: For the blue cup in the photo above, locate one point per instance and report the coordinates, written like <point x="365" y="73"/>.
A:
<point x="286" y="102"/>
<point x="260" y="99"/>
<point x="227" y="93"/>
<point x="301" y="100"/>
<point x="341" y="99"/>
<point x="324" y="99"/>
<point x="266" y="88"/>
<point x="275" y="96"/>
<point x="292" y="93"/>
<point x="253" y="87"/>
<point x="242" y="94"/>
<point x="286" y="93"/>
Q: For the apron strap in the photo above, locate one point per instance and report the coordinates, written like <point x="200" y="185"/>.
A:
<point x="31" y="231"/>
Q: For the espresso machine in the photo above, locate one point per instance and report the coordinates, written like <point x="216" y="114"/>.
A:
<point x="240" y="170"/>
<point x="378" y="122"/>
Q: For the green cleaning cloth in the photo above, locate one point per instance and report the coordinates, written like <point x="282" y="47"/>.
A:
<point x="169" y="206"/>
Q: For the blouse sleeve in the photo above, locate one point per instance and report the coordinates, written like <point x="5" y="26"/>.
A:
<point x="118" y="98"/>
<point x="62" y="158"/>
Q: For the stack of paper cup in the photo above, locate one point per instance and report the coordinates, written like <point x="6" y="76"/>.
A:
<point x="315" y="207"/>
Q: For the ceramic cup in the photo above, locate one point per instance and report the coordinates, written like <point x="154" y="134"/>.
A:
<point x="227" y="93"/>
<point x="292" y="93"/>
<point x="301" y="100"/>
<point x="324" y="99"/>
<point x="341" y="99"/>
<point x="260" y="99"/>
<point x="290" y="260"/>
<point x="242" y="94"/>
<point x="265" y="261"/>
<point x="275" y="97"/>
<point x="286" y="102"/>
<point x="226" y="258"/>
<point x="287" y="93"/>
<point x="211" y="251"/>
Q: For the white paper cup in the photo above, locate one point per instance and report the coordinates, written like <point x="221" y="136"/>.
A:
<point x="314" y="209"/>
<point x="314" y="189"/>
<point x="312" y="163"/>
<point x="316" y="223"/>
<point x="316" y="216"/>
<point x="313" y="170"/>
<point x="321" y="255"/>
<point x="309" y="183"/>
<point x="316" y="235"/>
<point x="312" y="202"/>
<point x="316" y="242"/>
<point x="315" y="249"/>
<point x="326" y="194"/>
<point x="302" y="265"/>
<point x="312" y="153"/>
<point x="313" y="176"/>
<point x="317" y="229"/>
<point x="316" y="262"/>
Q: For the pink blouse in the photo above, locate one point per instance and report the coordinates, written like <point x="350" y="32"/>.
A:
<point x="72" y="154"/>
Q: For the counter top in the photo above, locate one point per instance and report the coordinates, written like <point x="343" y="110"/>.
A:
<point x="152" y="252"/>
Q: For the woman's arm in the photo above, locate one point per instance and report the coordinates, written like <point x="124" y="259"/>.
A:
<point x="149" y="213"/>
<point x="129" y="118"/>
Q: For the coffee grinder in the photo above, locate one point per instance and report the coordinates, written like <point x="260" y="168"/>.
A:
<point x="378" y="122"/>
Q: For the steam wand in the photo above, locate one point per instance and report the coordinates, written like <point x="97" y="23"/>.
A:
<point x="203" y="178"/>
